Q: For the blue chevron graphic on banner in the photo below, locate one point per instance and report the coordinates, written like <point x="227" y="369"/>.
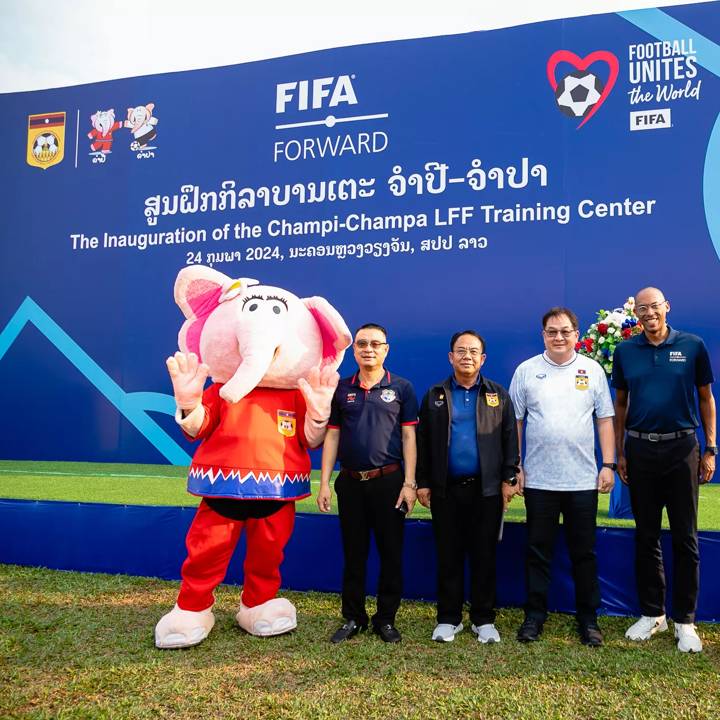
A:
<point x="134" y="406"/>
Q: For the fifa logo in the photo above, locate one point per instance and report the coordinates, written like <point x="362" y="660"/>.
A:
<point x="650" y="120"/>
<point x="315" y="94"/>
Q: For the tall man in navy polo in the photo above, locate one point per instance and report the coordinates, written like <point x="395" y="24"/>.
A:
<point x="655" y="375"/>
<point x="467" y="464"/>
<point x="372" y="432"/>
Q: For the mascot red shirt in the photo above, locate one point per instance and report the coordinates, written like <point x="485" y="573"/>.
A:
<point x="273" y="359"/>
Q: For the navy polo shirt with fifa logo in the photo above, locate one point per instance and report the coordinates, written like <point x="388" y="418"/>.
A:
<point x="370" y="420"/>
<point x="661" y="380"/>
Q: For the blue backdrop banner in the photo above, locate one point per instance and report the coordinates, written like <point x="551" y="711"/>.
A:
<point x="429" y="185"/>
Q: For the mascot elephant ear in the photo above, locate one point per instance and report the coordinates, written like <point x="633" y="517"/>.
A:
<point x="336" y="336"/>
<point x="198" y="291"/>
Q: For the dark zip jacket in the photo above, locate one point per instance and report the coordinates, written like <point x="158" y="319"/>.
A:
<point x="496" y="437"/>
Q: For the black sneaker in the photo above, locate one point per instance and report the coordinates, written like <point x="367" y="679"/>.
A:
<point x="346" y="631"/>
<point x="590" y="634"/>
<point x="388" y="633"/>
<point x="530" y="630"/>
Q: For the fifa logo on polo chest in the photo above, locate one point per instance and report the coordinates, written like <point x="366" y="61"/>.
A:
<point x="315" y="94"/>
<point x="677" y="356"/>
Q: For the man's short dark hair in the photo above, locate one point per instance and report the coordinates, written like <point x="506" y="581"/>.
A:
<point x="373" y="326"/>
<point x="474" y="333"/>
<point x="558" y="310"/>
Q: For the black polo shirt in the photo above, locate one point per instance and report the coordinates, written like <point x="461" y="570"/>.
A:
<point x="369" y="420"/>
<point x="661" y="380"/>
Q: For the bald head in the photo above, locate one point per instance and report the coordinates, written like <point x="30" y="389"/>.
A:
<point x="649" y="295"/>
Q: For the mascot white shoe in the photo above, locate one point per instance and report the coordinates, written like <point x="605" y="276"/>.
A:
<point x="274" y="617"/>
<point x="183" y="628"/>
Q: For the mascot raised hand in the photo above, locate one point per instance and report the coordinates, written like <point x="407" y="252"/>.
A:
<point x="273" y="360"/>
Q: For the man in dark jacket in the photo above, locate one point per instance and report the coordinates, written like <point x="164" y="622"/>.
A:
<point x="466" y="474"/>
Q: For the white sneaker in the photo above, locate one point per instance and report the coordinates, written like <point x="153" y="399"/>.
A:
<point x="687" y="638"/>
<point x="445" y="632"/>
<point x="646" y="627"/>
<point x="486" y="633"/>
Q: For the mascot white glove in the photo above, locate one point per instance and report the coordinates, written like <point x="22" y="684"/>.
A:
<point x="318" y="390"/>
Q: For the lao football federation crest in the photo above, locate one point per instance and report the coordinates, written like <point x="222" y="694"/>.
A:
<point x="582" y="382"/>
<point x="388" y="395"/>
<point x="46" y="139"/>
<point x="286" y="423"/>
<point x="492" y="399"/>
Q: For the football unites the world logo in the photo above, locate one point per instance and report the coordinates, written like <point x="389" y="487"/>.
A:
<point x="581" y="92"/>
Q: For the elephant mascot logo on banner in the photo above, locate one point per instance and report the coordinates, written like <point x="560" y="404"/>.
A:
<point x="273" y="360"/>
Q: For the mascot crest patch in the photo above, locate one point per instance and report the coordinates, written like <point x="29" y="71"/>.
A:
<point x="286" y="423"/>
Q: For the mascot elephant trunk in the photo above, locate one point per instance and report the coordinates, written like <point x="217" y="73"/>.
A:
<point x="259" y="337"/>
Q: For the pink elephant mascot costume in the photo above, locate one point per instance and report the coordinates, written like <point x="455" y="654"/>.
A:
<point x="273" y="359"/>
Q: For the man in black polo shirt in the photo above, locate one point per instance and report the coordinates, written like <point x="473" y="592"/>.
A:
<point x="655" y="375"/>
<point x="467" y="464"/>
<point x="372" y="432"/>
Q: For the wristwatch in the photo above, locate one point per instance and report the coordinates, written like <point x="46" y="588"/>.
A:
<point x="712" y="449"/>
<point x="610" y="466"/>
<point x="512" y="482"/>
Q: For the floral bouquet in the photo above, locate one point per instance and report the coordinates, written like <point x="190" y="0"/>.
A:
<point x="610" y="329"/>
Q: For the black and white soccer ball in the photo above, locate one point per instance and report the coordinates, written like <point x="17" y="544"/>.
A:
<point x="45" y="147"/>
<point x="577" y="93"/>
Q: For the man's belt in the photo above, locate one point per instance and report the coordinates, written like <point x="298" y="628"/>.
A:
<point x="462" y="480"/>
<point x="375" y="472"/>
<point x="660" y="437"/>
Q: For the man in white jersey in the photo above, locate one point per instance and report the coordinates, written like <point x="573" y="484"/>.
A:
<point x="557" y="393"/>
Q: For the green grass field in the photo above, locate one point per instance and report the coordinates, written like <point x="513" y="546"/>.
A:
<point x="76" y="645"/>
<point x="79" y="645"/>
<point x="127" y="484"/>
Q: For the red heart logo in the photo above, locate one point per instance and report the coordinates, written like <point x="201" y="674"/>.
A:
<point x="583" y="64"/>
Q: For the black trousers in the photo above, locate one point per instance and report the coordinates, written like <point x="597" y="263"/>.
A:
<point x="466" y="524"/>
<point x="579" y="511"/>
<point x="665" y="474"/>
<point x="364" y="506"/>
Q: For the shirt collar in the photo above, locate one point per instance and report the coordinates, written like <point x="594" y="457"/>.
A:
<point x="669" y="340"/>
<point x="454" y="384"/>
<point x="561" y="365"/>
<point x="384" y="382"/>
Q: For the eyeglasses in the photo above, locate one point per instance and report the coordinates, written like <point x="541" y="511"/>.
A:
<point x="654" y="307"/>
<point x="374" y="344"/>
<point x="473" y="352"/>
<point x="555" y="333"/>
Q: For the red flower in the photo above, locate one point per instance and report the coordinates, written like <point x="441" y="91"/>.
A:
<point x="588" y="344"/>
<point x="626" y="333"/>
<point x="602" y="328"/>
<point x="578" y="345"/>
